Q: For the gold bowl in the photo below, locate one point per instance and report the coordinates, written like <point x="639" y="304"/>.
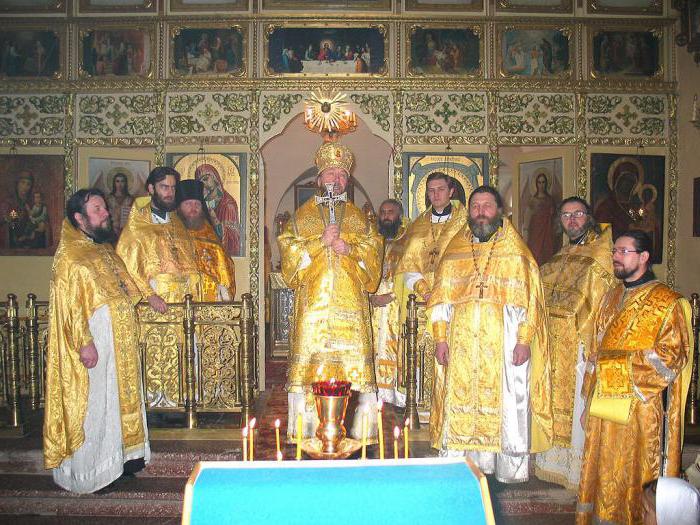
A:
<point x="313" y="447"/>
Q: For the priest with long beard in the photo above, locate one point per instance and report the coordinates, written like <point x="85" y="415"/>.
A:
<point x="94" y="420"/>
<point x="491" y="395"/>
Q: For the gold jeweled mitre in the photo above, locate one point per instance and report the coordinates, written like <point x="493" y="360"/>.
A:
<point x="334" y="155"/>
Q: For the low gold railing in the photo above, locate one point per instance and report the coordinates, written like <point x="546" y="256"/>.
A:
<point x="197" y="357"/>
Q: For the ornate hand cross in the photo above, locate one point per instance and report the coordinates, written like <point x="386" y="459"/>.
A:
<point x="330" y="200"/>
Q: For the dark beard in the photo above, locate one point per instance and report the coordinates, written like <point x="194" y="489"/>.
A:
<point x="389" y="230"/>
<point x="623" y="274"/>
<point x="102" y="235"/>
<point x="483" y="232"/>
<point x="162" y="206"/>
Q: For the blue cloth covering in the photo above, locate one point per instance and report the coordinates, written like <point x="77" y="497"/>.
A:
<point x="388" y="493"/>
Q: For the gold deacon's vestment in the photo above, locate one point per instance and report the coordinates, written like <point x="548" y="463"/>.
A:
<point x="425" y="242"/>
<point x="159" y="255"/>
<point x="216" y="270"/>
<point x="641" y="361"/>
<point x="92" y="299"/>
<point x="488" y="297"/>
<point x="574" y="281"/>
<point x="331" y="328"/>
<point x="386" y="325"/>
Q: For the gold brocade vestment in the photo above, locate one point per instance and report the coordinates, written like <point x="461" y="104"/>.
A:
<point x="215" y="267"/>
<point x="574" y="281"/>
<point x="467" y="402"/>
<point x="386" y="324"/>
<point x="642" y="353"/>
<point x="331" y="333"/>
<point x="85" y="277"/>
<point x="159" y="257"/>
<point x="425" y="242"/>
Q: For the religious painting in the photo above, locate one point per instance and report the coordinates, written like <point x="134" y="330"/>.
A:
<point x="117" y="6"/>
<point x="528" y="52"/>
<point x="622" y="53"/>
<point x="30" y="54"/>
<point x="204" y="6"/>
<point x="535" y="6"/>
<point x="33" y="6"/>
<point x="122" y="52"/>
<point x="207" y="51"/>
<point x="468" y="171"/>
<point x="540" y="193"/>
<point x="121" y="180"/>
<point x="224" y="176"/>
<point x="342" y="5"/>
<point x="31" y="203"/>
<point x="453" y="6"/>
<point x="628" y="192"/>
<point x="445" y="51"/>
<point x="632" y="7"/>
<point x="696" y="207"/>
<point x="328" y="50"/>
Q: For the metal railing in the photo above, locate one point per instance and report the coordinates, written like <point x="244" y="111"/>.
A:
<point x="197" y="357"/>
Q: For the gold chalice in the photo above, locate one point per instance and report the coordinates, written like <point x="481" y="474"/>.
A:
<point x="331" y="415"/>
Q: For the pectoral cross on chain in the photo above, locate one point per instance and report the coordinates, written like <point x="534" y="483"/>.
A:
<point x="481" y="287"/>
<point x="433" y="254"/>
<point x="330" y="200"/>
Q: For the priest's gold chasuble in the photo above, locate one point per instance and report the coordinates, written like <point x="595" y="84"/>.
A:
<point x="215" y="267"/>
<point x="424" y="244"/>
<point x="574" y="281"/>
<point x="331" y="332"/>
<point x="386" y="325"/>
<point x="159" y="257"/>
<point x="493" y="290"/>
<point x="86" y="276"/>
<point x="641" y="362"/>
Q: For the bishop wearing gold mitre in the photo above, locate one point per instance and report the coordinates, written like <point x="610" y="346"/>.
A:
<point x="491" y="393"/>
<point x="636" y="384"/>
<point x="94" y="419"/>
<point x="575" y="281"/>
<point x="216" y="270"/>
<point x="331" y="257"/>
<point x="427" y="237"/>
<point x="156" y="247"/>
<point x="386" y="307"/>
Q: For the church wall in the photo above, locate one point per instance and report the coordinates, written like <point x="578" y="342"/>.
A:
<point x="258" y="111"/>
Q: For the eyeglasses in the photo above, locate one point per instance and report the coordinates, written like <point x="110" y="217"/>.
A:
<point x="566" y="215"/>
<point x="623" y="251"/>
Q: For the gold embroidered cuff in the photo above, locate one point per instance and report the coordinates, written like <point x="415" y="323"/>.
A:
<point x="440" y="331"/>
<point x="525" y="332"/>
<point x="421" y="287"/>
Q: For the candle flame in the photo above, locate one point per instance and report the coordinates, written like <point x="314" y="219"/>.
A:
<point x="380" y="405"/>
<point x="252" y="423"/>
<point x="279" y="455"/>
<point x="332" y="381"/>
<point x="245" y="431"/>
<point x="405" y="423"/>
<point x="277" y="423"/>
<point x="396" y="432"/>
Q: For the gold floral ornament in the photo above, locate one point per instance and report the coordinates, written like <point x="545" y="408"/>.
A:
<point x="328" y="114"/>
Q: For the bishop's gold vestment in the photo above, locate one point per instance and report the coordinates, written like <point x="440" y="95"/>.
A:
<point x="489" y="286"/>
<point x="643" y="353"/>
<point x="386" y="325"/>
<point x="574" y="281"/>
<point x="215" y="267"/>
<point x="87" y="276"/>
<point x="159" y="257"/>
<point x="331" y="333"/>
<point x="424" y="244"/>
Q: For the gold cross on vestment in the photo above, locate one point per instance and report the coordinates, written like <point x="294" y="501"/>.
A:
<point x="481" y="287"/>
<point x="433" y="254"/>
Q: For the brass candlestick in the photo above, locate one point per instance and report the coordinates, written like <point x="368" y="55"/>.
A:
<point x="331" y="415"/>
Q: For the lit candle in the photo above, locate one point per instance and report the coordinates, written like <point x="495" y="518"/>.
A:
<point x="244" y="434"/>
<point x="380" y="429"/>
<point x="251" y="436"/>
<point x="299" y="433"/>
<point x="364" y="433"/>
<point x="277" y="435"/>
<point x="396" y="442"/>
<point x="279" y="455"/>
<point x="405" y="439"/>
